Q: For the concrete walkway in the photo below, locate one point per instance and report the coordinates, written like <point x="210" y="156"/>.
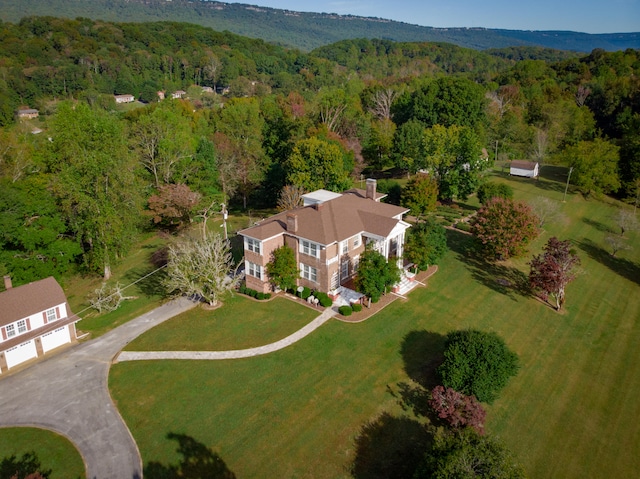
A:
<point x="68" y="393"/>
<point x="233" y="354"/>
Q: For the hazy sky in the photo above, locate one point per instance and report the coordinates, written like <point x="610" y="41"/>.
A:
<point x="590" y="16"/>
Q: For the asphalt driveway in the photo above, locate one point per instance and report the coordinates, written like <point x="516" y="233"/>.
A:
<point x="68" y="393"/>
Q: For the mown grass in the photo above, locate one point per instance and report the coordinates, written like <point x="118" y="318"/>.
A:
<point x="240" y="323"/>
<point x="54" y="451"/>
<point x="570" y="412"/>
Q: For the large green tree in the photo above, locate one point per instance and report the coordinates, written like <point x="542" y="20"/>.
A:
<point x="317" y="163"/>
<point x="282" y="269"/>
<point x="445" y="101"/>
<point x="420" y="195"/>
<point x="468" y="455"/>
<point x="95" y="182"/>
<point x="426" y="243"/>
<point x="454" y="156"/>
<point x="477" y="363"/>
<point x="376" y="274"/>
<point x="595" y="166"/>
<point x="34" y="239"/>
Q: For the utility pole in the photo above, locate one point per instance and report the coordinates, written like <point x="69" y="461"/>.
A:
<point x="224" y="220"/>
<point x="567" y="187"/>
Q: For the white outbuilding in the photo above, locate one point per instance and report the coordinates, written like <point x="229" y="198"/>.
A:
<point x="528" y="169"/>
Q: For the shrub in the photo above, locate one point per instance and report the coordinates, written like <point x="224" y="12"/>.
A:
<point x="345" y="310"/>
<point x="462" y="226"/>
<point x="267" y="295"/>
<point x="260" y="296"/>
<point x="325" y="300"/>
<point x="357" y="307"/>
<point x="305" y="293"/>
<point x="242" y="289"/>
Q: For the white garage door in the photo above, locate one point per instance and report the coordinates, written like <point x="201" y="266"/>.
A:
<point x="21" y="353"/>
<point x="55" y="338"/>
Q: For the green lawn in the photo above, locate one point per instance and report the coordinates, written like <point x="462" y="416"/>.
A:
<point x="54" y="451"/>
<point x="240" y="323"/>
<point x="571" y="412"/>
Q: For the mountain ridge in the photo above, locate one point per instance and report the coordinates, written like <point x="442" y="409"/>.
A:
<point x="309" y="30"/>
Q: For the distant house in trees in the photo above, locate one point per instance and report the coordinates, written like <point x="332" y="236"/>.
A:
<point x="124" y="98"/>
<point x="528" y="169"/>
<point x="328" y="234"/>
<point x="178" y="94"/>
<point x="207" y="89"/>
<point x="27" y="114"/>
<point x="160" y="95"/>
<point x="34" y="319"/>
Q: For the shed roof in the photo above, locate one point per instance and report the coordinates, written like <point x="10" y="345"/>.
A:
<point x="524" y="165"/>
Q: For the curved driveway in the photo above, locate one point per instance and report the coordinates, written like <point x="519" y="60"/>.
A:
<point x="68" y="393"/>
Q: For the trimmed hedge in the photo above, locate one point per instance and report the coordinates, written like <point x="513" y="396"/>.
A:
<point x="253" y="293"/>
<point x="325" y="300"/>
<point x="345" y="310"/>
<point x="357" y="307"/>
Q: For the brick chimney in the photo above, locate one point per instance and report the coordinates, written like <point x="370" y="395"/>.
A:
<point x="7" y="282"/>
<point x="292" y="223"/>
<point x="371" y="188"/>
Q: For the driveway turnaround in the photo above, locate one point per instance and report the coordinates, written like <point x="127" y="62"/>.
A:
<point x="68" y="393"/>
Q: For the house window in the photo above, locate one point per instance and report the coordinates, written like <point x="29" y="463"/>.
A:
<point x="344" y="247"/>
<point x="312" y="249"/>
<point x="11" y="330"/>
<point x="51" y="315"/>
<point x="309" y="272"/>
<point x="253" y="245"/>
<point x="356" y="241"/>
<point x="344" y="269"/>
<point x="356" y="262"/>
<point x="254" y="270"/>
<point x="22" y="326"/>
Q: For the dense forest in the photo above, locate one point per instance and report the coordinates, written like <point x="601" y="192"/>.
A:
<point x="307" y="30"/>
<point x="80" y="181"/>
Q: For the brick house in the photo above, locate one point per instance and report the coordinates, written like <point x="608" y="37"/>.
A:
<point x="328" y="234"/>
<point x="34" y="319"/>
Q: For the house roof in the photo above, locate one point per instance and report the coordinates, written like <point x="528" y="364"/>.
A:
<point x="22" y="301"/>
<point x="334" y="220"/>
<point x="523" y="164"/>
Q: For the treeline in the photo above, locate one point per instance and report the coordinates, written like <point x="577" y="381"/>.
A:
<point x="76" y="194"/>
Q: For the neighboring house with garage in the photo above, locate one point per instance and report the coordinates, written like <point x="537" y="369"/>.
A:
<point x="35" y="318"/>
<point x="529" y="169"/>
<point x="328" y="234"/>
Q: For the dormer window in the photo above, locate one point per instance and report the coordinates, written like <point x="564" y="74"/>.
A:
<point x="51" y="315"/>
<point x="22" y="326"/>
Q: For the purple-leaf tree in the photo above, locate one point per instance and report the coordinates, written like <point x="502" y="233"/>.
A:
<point x="457" y="409"/>
<point x="553" y="270"/>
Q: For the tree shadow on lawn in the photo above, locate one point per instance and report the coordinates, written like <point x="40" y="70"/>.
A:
<point x="390" y="447"/>
<point x="499" y="277"/>
<point x="624" y="267"/>
<point x="151" y="284"/>
<point x="198" y="462"/>
<point x="598" y="225"/>
<point x="422" y="352"/>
